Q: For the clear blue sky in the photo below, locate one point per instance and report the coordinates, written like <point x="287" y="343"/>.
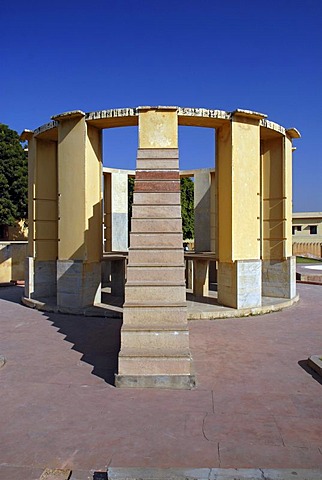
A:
<point x="260" y="55"/>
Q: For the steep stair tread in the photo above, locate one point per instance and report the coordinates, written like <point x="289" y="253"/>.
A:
<point x="149" y="283"/>
<point x="160" y="327"/>
<point x="153" y="265"/>
<point x="147" y="304"/>
<point x="155" y="353"/>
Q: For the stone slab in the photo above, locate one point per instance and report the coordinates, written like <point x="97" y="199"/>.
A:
<point x="158" y="153"/>
<point x="279" y="278"/>
<point x="156" y="381"/>
<point x="315" y="363"/>
<point x="156" y="240"/>
<point x="140" y="198"/>
<point x="55" y="474"/>
<point x="156" y="211"/>
<point x="154" y="256"/>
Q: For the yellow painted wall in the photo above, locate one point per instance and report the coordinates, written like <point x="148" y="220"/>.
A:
<point x="80" y="198"/>
<point x="213" y="212"/>
<point x="158" y="128"/>
<point x="107" y="212"/>
<point x="288" y="197"/>
<point x="12" y="261"/>
<point x="246" y="188"/>
<point x="71" y="175"/>
<point x="238" y="188"/>
<point x="45" y="201"/>
<point x="272" y="198"/>
<point x="224" y="192"/>
<point x="31" y="195"/>
<point x="94" y="196"/>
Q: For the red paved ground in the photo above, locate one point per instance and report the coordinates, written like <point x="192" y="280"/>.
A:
<point x="256" y="403"/>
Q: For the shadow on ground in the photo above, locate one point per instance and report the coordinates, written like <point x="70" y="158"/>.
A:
<point x="98" y="339"/>
<point x="303" y="364"/>
<point x="11" y="293"/>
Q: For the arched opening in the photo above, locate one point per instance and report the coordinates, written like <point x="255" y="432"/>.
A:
<point x="120" y="147"/>
<point x="196" y="147"/>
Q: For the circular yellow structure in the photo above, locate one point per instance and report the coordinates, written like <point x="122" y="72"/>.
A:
<point x="243" y="225"/>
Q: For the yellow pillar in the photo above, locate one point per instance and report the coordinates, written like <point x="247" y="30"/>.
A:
<point x="155" y="337"/>
<point x="238" y="197"/>
<point x="279" y="267"/>
<point x="80" y="212"/>
<point x="43" y="217"/>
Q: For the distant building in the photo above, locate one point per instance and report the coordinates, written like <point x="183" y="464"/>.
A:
<point x="307" y="233"/>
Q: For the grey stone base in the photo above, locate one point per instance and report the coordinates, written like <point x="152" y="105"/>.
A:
<point x="78" y="284"/>
<point x="240" y="284"/>
<point x="40" y="278"/>
<point x="279" y="278"/>
<point x="182" y="382"/>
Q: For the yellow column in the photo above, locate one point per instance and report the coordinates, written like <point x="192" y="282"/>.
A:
<point x="43" y="217"/>
<point x="278" y="264"/>
<point x="155" y="337"/>
<point x="238" y="196"/>
<point x="80" y="212"/>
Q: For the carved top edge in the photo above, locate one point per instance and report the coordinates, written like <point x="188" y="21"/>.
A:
<point x="249" y="113"/>
<point x="272" y="126"/>
<point x="181" y="111"/>
<point x="293" y="133"/>
<point x="44" y="128"/>
<point x="112" y="113"/>
<point x="68" y="115"/>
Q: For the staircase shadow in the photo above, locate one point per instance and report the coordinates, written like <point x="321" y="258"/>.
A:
<point x="98" y="339"/>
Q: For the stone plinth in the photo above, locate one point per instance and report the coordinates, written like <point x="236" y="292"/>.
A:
<point x="78" y="284"/>
<point x="279" y="278"/>
<point x="239" y="284"/>
<point x="155" y="338"/>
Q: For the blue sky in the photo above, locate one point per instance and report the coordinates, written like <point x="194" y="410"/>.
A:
<point x="258" y="55"/>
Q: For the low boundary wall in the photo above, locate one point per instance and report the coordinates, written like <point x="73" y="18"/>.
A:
<point x="12" y="261"/>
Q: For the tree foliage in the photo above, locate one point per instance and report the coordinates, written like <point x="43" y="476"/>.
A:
<point x="13" y="177"/>
<point x="187" y="205"/>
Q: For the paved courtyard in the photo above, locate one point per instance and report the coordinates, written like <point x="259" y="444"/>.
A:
<point x="256" y="405"/>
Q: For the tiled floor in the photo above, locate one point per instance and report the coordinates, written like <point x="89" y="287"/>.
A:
<point x="256" y="403"/>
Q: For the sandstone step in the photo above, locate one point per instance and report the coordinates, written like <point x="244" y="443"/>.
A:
<point x="163" y="364"/>
<point x="158" y="153"/>
<point x="158" y="283"/>
<point x="155" y="340"/>
<point x="157" y="186"/>
<point x="155" y="293"/>
<point x="160" y="175"/>
<point x="162" y="164"/>
<point x="156" y="211"/>
<point x="151" y="198"/>
<point x="156" y="274"/>
<point x="150" y="304"/>
<point x="153" y="314"/>
<point x="155" y="353"/>
<point x="160" y="327"/>
<point x="152" y="256"/>
<point x="156" y="225"/>
<point x="156" y="240"/>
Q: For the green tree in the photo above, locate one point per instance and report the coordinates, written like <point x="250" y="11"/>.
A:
<point x="187" y="207"/>
<point x="13" y="177"/>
